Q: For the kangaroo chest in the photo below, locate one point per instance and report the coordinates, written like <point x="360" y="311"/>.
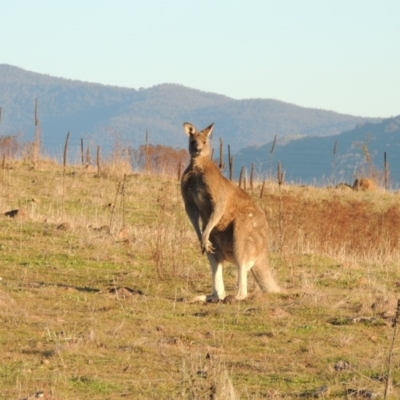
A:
<point x="205" y="187"/>
<point x="199" y="191"/>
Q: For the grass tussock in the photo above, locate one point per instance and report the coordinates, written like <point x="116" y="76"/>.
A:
<point x="95" y="271"/>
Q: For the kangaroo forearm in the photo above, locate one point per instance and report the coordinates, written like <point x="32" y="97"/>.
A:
<point x="215" y="217"/>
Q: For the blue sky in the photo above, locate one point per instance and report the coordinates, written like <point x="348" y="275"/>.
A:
<point x="340" y="55"/>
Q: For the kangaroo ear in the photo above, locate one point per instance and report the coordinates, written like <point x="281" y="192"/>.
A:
<point x="208" y="130"/>
<point x="189" y="129"/>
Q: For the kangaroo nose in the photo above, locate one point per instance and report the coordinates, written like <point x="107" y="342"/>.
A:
<point x="198" y="147"/>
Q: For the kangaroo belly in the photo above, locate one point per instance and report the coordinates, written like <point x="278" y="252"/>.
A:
<point x="224" y="246"/>
<point x="222" y="239"/>
<point x="246" y="232"/>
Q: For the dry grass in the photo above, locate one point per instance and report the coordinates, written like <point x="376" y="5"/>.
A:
<point x="91" y="300"/>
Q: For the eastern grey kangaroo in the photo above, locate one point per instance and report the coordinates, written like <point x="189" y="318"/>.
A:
<point x="229" y="224"/>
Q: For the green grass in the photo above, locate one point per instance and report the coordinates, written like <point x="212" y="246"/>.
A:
<point x="101" y="314"/>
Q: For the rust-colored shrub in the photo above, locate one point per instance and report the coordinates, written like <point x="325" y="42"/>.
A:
<point x="160" y="159"/>
<point x="332" y="226"/>
<point x="9" y="146"/>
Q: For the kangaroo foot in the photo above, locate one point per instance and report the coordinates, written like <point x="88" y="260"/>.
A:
<point x="210" y="298"/>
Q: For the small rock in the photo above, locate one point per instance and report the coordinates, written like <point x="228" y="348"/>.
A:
<point x="361" y="394"/>
<point x="320" y="392"/>
<point x="202" y="373"/>
<point x="105" y="228"/>
<point x="41" y="395"/>
<point x="170" y="340"/>
<point x="64" y="226"/>
<point x="210" y="356"/>
<point x="11" y="213"/>
<point x="124" y="291"/>
<point x="21" y="214"/>
<point x="341" y="365"/>
<point x="384" y="307"/>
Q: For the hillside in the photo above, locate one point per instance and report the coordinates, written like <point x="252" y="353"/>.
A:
<point x="100" y="114"/>
<point x="312" y="159"/>
<point x="93" y="298"/>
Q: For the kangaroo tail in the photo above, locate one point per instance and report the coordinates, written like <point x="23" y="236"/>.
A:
<point x="263" y="276"/>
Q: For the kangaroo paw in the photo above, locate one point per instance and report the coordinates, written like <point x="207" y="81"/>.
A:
<point x="207" y="247"/>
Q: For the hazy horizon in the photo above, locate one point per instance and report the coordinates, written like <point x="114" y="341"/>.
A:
<point x="334" y="55"/>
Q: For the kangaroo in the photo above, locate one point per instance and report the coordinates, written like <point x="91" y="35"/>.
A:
<point x="229" y="224"/>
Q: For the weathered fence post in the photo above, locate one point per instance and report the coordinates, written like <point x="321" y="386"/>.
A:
<point x="82" y="155"/>
<point x="65" y="151"/>
<point x="281" y="174"/>
<point x="241" y="176"/>
<point x="63" y="180"/>
<point x="147" y="153"/>
<point x="251" y="177"/>
<point x="98" y="160"/>
<point x="221" y="155"/>
<point x="333" y="161"/>
<point x="230" y="161"/>
<point x="88" y="158"/>
<point x="36" y="143"/>
<point x="271" y="151"/>
<point x="262" y="189"/>
<point x="386" y="170"/>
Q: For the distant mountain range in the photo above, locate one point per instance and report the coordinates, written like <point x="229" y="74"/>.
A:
<point x="102" y="114"/>
<point x="106" y="115"/>
<point x="332" y="159"/>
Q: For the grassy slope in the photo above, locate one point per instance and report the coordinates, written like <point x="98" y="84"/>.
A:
<point x="91" y="312"/>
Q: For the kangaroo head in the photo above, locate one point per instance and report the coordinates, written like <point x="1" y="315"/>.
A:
<point x="199" y="143"/>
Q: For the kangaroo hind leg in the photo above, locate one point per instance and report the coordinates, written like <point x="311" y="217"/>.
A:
<point x="243" y="269"/>
<point x="218" y="287"/>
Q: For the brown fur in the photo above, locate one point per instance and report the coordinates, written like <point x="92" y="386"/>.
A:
<point x="364" y="184"/>
<point x="229" y="224"/>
